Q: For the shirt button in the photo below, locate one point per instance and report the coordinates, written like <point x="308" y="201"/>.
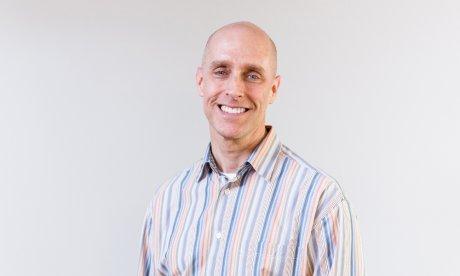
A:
<point x="219" y="235"/>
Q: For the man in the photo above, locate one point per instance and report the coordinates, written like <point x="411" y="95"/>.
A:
<point x="251" y="206"/>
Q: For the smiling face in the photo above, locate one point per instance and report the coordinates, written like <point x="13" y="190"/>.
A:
<point x="237" y="81"/>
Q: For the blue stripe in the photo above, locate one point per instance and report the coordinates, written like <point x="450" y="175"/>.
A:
<point x="179" y="209"/>
<point x="147" y="264"/>
<point x="330" y="249"/>
<point x="352" y="247"/>
<point x="267" y="216"/>
<point x="306" y="204"/>
<point x="232" y="224"/>
<point x="190" y="215"/>
<point x="258" y="195"/>
<point x="199" y="227"/>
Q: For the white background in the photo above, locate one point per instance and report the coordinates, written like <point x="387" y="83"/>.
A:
<point x="98" y="106"/>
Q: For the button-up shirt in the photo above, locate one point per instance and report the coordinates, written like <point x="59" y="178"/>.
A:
<point x="279" y="216"/>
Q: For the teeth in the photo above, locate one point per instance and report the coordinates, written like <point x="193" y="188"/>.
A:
<point x="236" y="110"/>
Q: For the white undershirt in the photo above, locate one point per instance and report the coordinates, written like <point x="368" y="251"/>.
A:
<point x="230" y="176"/>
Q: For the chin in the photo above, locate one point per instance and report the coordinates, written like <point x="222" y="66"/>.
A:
<point x="230" y="133"/>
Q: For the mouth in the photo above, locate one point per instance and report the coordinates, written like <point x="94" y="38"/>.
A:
<point x="232" y="110"/>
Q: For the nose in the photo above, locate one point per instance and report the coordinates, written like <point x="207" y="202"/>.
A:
<point x="235" y="88"/>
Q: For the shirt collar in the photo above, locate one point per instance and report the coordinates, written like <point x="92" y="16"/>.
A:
<point x="262" y="159"/>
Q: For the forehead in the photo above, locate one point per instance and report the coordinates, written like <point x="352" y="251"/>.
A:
<point x="238" y="47"/>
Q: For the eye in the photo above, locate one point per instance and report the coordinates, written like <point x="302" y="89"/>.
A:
<point x="220" y="72"/>
<point x="254" y="76"/>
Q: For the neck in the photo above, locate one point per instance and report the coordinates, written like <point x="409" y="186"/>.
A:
<point x="230" y="154"/>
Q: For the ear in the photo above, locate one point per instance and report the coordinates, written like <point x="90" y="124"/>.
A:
<point x="199" y="80"/>
<point x="274" y="88"/>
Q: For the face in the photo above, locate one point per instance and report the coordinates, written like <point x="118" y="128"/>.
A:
<point x="237" y="83"/>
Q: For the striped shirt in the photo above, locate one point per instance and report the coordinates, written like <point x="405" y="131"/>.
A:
<point x="279" y="216"/>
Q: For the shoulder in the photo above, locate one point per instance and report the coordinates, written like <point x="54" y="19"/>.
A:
<point x="313" y="171"/>
<point x="173" y="185"/>
<point x="317" y="184"/>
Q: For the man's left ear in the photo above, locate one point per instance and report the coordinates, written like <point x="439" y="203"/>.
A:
<point x="274" y="88"/>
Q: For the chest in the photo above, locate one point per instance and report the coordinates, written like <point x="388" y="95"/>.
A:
<point x="236" y="228"/>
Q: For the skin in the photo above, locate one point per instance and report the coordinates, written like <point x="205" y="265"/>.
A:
<point x="238" y="70"/>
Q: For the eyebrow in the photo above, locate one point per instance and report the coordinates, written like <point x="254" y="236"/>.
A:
<point x="249" y="66"/>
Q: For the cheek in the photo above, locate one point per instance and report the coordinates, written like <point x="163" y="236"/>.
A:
<point x="212" y="93"/>
<point x="259" y="99"/>
<point x="209" y="101"/>
<point x="212" y="87"/>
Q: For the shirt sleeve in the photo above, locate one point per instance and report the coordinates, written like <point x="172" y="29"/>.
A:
<point x="146" y="256"/>
<point x="335" y="245"/>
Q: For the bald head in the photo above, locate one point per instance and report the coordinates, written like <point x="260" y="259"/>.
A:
<point x="248" y="33"/>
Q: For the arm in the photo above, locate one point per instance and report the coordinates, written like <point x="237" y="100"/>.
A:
<point x="146" y="257"/>
<point x="335" y="246"/>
